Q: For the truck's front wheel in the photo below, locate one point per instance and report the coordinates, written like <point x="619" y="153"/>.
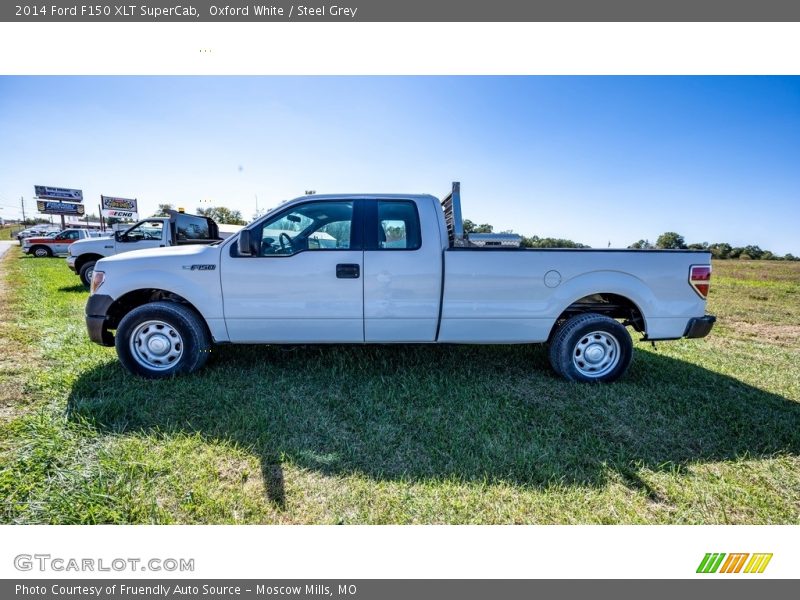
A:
<point x="591" y="347"/>
<point x="86" y="272"/>
<point x="162" y="339"/>
<point x="41" y="252"/>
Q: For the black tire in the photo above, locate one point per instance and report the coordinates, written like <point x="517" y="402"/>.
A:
<point x="178" y="323"/>
<point x="85" y="273"/>
<point x="591" y="348"/>
<point x="41" y="252"/>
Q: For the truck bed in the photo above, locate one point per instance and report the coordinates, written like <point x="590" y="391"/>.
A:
<point x="508" y="296"/>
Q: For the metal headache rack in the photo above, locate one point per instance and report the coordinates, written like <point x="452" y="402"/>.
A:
<point x="451" y="205"/>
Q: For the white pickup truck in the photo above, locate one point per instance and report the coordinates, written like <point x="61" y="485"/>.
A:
<point x="156" y="232"/>
<point x="400" y="270"/>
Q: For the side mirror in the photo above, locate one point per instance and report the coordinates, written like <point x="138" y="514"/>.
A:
<point x="118" y="236"/>
<point x="247" y="244"/>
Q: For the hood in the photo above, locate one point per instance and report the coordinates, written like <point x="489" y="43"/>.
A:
<point x="88" y="242"/>
<point x="190" y="250"/>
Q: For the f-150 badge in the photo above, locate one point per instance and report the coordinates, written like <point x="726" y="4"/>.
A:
<point x="199" y="267"/>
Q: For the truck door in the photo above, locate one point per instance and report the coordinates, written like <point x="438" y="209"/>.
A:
<point x="60" y="243"/>
<point x="304" y="281"/>
<point x="402" y="271"/>
<point x="143" y="235"/>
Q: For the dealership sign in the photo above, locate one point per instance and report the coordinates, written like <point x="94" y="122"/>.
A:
<point x="119" y="208"/>
<point x="46" y="192"/>
<point x="59" y="208"/>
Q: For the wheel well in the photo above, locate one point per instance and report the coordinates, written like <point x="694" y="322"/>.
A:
<point x="84" y="258"/>
<point x="124" y="304"/>
<point x="35" y="246"/>
<point x="608" y="304"/>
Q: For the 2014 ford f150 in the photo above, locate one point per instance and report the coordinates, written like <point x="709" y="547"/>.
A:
<point x="391" y="269"/>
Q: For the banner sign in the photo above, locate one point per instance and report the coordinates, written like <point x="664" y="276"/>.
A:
<point x="119" y="208"/>
<point x="56" y="193"/>
<point x="59" y="208"/>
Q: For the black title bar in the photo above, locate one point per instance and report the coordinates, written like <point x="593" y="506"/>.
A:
<point x="405" y="11"/>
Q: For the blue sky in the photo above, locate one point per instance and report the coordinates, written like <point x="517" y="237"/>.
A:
<point x="593" y="159"/>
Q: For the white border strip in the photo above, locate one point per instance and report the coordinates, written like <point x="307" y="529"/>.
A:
<point x="372" y="552"/>
<point x="399" y="48"/>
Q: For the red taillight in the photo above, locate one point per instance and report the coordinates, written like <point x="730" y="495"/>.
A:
<point x="699" y="278"/>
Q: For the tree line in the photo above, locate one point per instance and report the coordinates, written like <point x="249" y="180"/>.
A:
<point x="667" y="241"/>
<point x="719" y="250"/>
<point x="527" y="242"/>
<point x="220" y="214"/>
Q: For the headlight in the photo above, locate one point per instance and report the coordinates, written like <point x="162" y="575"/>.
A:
<point x="98" y="277"/>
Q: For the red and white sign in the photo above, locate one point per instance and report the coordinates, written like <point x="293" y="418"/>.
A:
<point x="119" y="208"/>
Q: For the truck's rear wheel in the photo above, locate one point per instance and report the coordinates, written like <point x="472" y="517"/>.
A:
<point x="162" y="339"/>
<point x="42" y="252"/>
<point x="86" y="272"/>
<point x="590" y="347"/>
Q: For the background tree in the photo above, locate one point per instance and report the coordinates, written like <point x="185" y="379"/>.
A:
<point x="698" y="246"/>
<point x="163" y="210"/>
<point x="752" y="252"/>
<point x="720" y="250"/>
<point x="470" y="227"/>
<point x="548" y="242"/>
<point x="221" y="214"/>
<point x="641" y="245"/>
<point x="671" y="241"/>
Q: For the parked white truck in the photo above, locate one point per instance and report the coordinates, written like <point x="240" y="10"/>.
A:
<point x="401" y="270"/>
<point x="156" y="232"/>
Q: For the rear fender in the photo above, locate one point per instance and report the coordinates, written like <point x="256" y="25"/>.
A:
<point x="608" y="282"/>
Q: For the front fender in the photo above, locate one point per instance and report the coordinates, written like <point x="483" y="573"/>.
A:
<point x="201" y="289"/>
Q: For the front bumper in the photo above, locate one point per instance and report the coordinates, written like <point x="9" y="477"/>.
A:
<point x="71" y="263"/>
<point x="699" y="327"/>
<point x="97" y="319"/>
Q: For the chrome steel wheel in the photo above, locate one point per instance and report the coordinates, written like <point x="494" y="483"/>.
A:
<point x="595" y="354"/>
<point x="156" y="345"/>
<point x="40" y="253"/>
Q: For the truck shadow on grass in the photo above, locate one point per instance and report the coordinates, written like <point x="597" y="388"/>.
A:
<point x="485" y="414"/>
<point x="77" y="288"/>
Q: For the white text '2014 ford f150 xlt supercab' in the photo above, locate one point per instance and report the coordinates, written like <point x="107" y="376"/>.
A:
<point x="380" y="269"/>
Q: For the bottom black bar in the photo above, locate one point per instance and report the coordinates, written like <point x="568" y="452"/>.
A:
<point x="729" y="587"/>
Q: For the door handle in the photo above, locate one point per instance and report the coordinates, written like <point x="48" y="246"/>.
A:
<point x="348" y="271"/>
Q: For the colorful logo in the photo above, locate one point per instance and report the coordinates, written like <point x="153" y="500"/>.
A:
<point x="734" y="563"/>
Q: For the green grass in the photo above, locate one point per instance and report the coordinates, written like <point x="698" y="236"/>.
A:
<point x="700" y="431"/>
<point x="9" y="232"/>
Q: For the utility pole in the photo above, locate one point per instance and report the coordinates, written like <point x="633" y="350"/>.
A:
<point x="22" y="201"/>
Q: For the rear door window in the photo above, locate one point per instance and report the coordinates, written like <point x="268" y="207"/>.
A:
<point x="398" y="225"/>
